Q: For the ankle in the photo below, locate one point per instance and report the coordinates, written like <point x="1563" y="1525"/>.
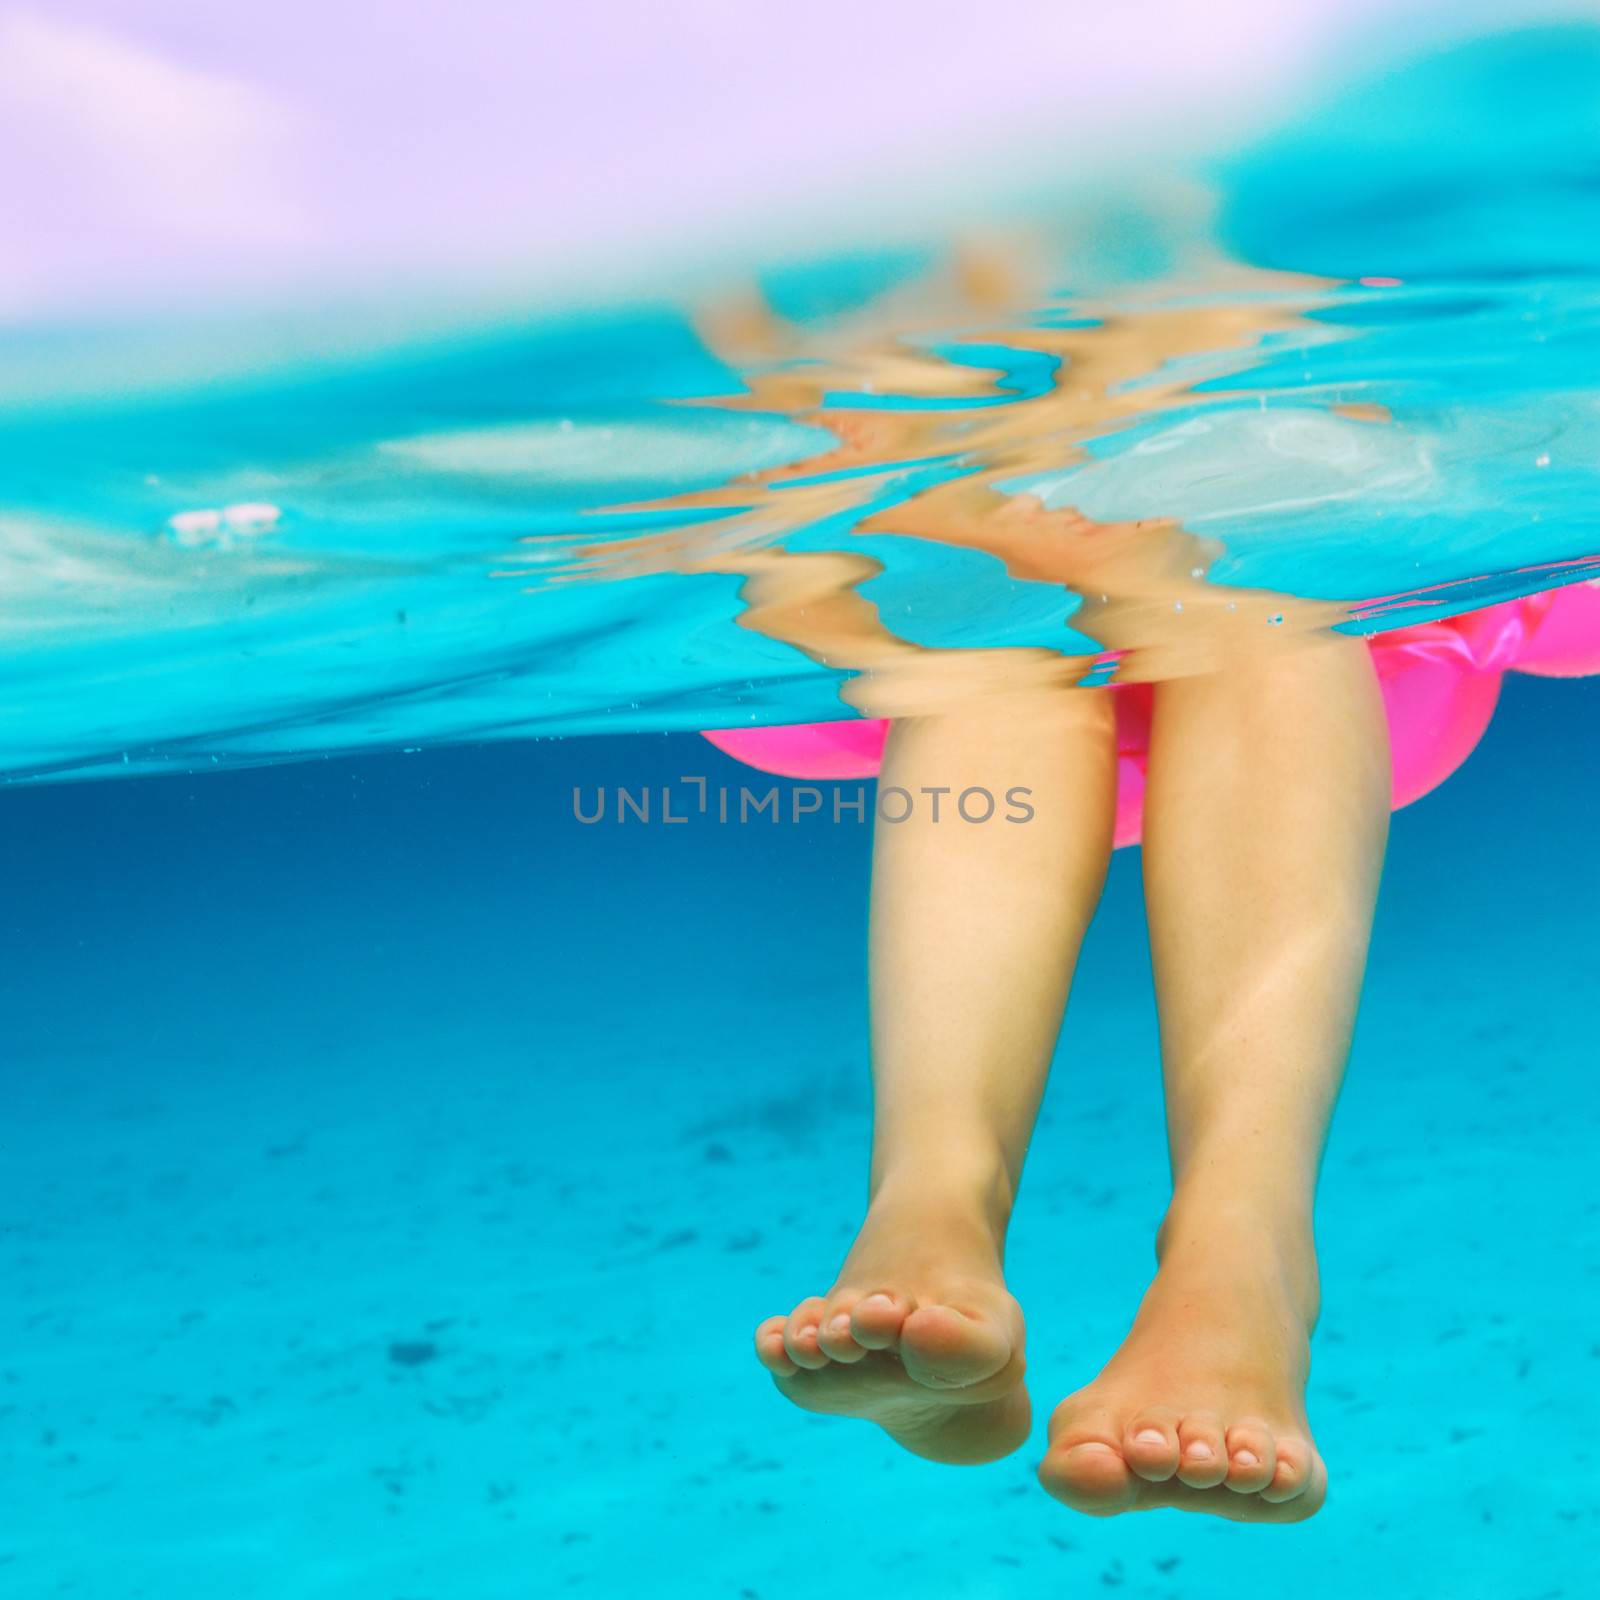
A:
<point x="1248" y="1230"/>
<point x="976" y="1192"/>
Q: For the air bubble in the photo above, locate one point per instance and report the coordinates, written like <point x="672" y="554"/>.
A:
<point x="251" y="516"/>
<point x="192" y="525"/>
<point x="210" y="525"/>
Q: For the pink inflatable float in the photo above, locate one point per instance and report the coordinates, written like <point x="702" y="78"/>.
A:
<point x="1440" y="683"/>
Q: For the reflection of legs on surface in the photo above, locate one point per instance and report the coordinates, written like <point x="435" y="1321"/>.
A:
<point x="811" y="600"/>
<point x="1265" y="824"/>
<point x="1142" y="584"/>
<point x="975" y="932"/>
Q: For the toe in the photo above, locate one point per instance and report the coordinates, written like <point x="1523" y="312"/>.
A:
<point x="1296" y="1474"/>
<point x="1202" y="1460"/>
<point x="1252" y="1457"/>
<point x="800" y="1335"/>
<point x="876" y="1318"/>
<point x="946" y="1348"/>
<point x="833" y="1332"/>
<point x="1150" y="1444"/>
<point x="769" y="1348"/>
<point x="1090" y="1476"/>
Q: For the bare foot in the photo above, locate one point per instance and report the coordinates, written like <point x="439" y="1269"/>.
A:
<point x="918" y="1335"/>
<point x="1203" y="1407"/>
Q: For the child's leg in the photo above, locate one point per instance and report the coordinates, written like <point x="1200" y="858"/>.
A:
<point x="1266" y="818"/>
<point x="975" y="932"/>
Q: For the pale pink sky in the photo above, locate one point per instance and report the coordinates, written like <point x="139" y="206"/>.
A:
<point x="174" y="148"/>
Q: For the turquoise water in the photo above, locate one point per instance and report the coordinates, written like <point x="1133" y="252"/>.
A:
<point x="395" y="1169"/>
<point x="1357" y="361"/>
<point x="312" y="1065"/>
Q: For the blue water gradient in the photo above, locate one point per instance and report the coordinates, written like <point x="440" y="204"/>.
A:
<point x="395" y="1171"/>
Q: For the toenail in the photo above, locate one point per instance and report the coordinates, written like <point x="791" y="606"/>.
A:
<point x="882" y="1301"/>
<point x="1199" y="1452"/>
<point x="1151" y="1436"/>
<point x="840" y="1324"/>
<point x="1247" y="1458"/>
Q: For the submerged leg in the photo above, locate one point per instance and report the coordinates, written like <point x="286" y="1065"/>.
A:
<point x="1265" y="824"/>
<point x="976" y="927"/>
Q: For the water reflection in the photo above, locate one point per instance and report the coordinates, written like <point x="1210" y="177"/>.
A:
<point x="935" y="435"/>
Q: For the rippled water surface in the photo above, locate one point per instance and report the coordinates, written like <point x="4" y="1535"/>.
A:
<point x="1344" y="379"/>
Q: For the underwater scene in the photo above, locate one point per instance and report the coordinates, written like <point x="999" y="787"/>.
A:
<point x="465" y="982"/>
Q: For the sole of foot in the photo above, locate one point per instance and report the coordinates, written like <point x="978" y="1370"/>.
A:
<point x="918" y="1335"/>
